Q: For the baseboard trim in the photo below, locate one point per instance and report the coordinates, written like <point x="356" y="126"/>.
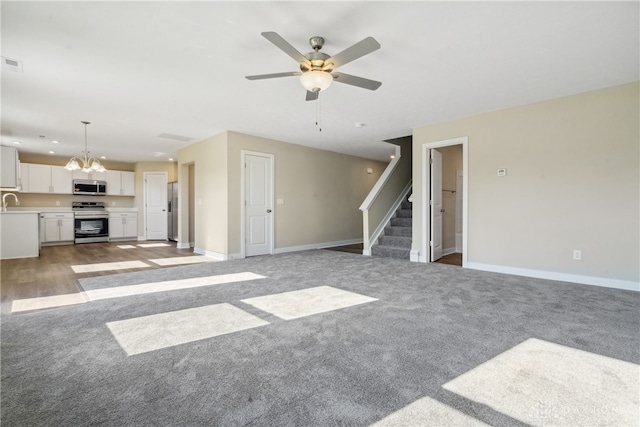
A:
<point x="142" y="239"/>
<point x="183" y="245"/>
<point x="212" y="254"/>
<point x="563" y="277"/>
<point x="448" y="251"/>
<point x="414" y="255"/>
<point x="316" y="246"/>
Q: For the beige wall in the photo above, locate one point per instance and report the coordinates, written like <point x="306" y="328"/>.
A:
<point x="322" y="192"/>
<point x="208" y="159"/>
<point x="572" y="183"/>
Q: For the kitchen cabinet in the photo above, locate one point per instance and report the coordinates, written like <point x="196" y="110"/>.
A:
<point x="56" y="227"/>
<point x="19" y="235"/>
<point x="120" y="183"/>
<point x="10" y="172"/>
<point x="92" y="176"/>
<point x="123" y="225"/>
<point x="45" y="179"/>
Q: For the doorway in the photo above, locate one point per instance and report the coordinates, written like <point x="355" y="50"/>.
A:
<point x="444" y="201"/>
<point x="257" y="203"/>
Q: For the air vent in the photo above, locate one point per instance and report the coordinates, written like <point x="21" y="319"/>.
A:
<point x="12" y="64"/>
<point x="176" y="137"/>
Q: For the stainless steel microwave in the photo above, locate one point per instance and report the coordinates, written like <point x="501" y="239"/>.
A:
<point x="88" y="187"/>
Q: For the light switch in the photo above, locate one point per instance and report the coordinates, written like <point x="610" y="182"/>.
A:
<point x="279" y="201"/>
<point x="502" y="172"/>
<point x="369" y="170"/>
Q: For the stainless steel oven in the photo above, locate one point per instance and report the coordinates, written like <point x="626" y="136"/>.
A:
<point x="91" y="221"/>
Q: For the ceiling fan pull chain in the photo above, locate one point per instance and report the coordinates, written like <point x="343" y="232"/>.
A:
<point x="318" y="114"/>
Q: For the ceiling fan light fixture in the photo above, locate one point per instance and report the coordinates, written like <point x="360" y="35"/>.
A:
<point x="315" y="80"/>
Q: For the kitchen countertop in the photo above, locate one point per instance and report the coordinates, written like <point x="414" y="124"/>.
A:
<point x="40" y="209"/>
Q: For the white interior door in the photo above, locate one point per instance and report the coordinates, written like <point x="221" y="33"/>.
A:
<point x="258" y="195"/>
<point x="155" y="205"/>
<point x="436" y="205"/>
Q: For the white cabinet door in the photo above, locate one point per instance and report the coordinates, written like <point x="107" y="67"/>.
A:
<point x="10" y="167"/>
<point x="67" y="231"/>
<point x="51" y="230"/>
<point x="116" y="228"/>
<point x="130" y="226"/>
<point x="39" y="178"/>
<point x="128" y="183"/>
<point x="114" y="182"/>
<point x="61" y="180"/>
<point x="24" y="177"/>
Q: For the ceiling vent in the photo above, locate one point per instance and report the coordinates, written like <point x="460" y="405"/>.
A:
<point x="175" y="137"/>
<point x="12" y="64"/>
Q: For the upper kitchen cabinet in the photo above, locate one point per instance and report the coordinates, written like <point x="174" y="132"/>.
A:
<point x="91" y="176"/>
<point x="10" y="173"/>
<point x="45" y="179"/>
<point x="120" y="183"/>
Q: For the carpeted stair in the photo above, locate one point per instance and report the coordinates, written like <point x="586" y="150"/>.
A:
<point x="396" y="239"/>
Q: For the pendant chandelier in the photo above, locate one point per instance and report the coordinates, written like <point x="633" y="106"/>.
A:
<point x="85" y="163"/>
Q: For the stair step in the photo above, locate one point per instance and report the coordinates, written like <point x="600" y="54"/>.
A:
<point x="406" y="205"/>
<point x="402" y="222"/>
<point x="395" y="241"/>
<point x="391" y="252"/>
<point x="404" y="213"/>
<point x="397" y="231"/>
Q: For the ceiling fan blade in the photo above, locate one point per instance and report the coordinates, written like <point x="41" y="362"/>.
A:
<point x="311" y="96"/>
<point x="284" y="46"/>
<point x="354" y="52"/>
<point x="274" y="75"/>
<point x="356" y="81"/>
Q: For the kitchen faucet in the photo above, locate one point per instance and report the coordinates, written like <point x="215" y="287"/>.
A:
<point x="4" y="201"/>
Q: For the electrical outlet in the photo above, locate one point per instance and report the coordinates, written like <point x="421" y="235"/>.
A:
<point x="577" y="254"/>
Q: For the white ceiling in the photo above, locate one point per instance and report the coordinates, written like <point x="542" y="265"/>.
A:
<point x="137" y="70"/>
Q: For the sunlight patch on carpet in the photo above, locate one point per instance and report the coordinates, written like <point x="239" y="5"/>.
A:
<point x="306" y="302"/>
<point x="169" y="285"/>
<point x="47" y="302"/>
<point x="194" y="259"/>
<point x="545" y="384"/>
<point x="158" y="331"/>
<point x="106" y="266"/>
<point x="153" y="245"/>
<point x="428" y="412"/>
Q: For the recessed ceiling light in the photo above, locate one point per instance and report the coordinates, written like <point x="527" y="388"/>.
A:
<point x="55" y="142"/>
<point x="103" y="157"/>
<point x="359" y="125"/>
<point x="392" y="156"/>
<point x="170" y="159"/>
<point x="17" y="142"/>
<point x="52" y="152"/>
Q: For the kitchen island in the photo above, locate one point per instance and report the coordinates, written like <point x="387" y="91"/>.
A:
<point x="20" y="236"/>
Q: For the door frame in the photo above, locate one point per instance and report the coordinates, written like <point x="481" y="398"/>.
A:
<point x="425" y="250"/>
<point x="243" y="219"/>
<point x="144" y="197"/>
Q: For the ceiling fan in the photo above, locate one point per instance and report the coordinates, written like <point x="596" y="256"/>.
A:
<point x="316" y="68"/>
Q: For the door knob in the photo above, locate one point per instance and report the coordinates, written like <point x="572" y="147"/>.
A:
<point x="268" y="210"/>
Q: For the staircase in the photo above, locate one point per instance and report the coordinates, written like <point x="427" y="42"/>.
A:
<point x="396" y="240"/>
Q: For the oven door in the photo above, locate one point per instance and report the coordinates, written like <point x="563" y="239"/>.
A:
<point x="91" y="228"/>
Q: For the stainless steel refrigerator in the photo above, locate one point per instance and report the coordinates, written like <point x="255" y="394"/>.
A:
<point x="172" y="211"/>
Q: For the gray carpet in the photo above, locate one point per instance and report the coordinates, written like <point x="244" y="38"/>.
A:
<point x="349" y="367"/>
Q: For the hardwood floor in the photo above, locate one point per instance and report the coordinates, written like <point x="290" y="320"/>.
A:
<point x="51" y="273"/>
<point x="451" y="259"/>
